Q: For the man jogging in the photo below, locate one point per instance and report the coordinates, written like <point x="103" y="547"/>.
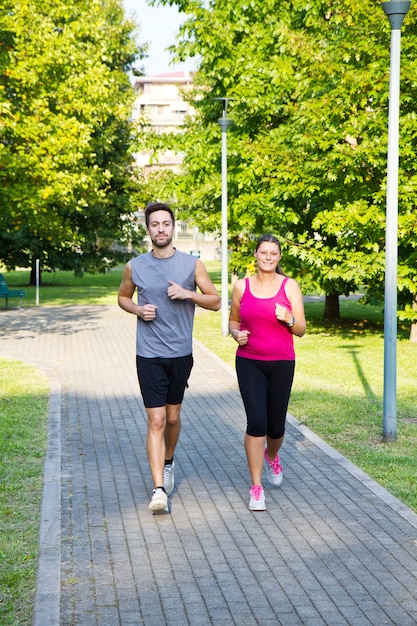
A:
<point x="166" y="281"/>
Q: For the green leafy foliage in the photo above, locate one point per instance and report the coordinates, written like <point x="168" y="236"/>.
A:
<point x="307" y="152"/>
<point x="66" y="174"/>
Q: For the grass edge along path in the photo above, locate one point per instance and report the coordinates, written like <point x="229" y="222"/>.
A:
<point x="24" y="394"/>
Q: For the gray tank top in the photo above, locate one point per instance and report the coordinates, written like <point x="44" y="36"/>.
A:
<point x="170" y="333"/>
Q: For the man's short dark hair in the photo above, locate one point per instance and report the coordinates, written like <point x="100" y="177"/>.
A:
<point x="158" y="206"/>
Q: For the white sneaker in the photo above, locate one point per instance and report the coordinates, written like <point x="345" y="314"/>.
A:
<point x="159" y="500"/>
<point x="169" y="481"/>
<point x="273" y="470"/>
<point x="257" y="498"/>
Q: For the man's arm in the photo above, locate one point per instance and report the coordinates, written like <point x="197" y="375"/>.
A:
<point x="207" y="299"/>
<point x="126" y="291"/>
<point x="125" y="297"/>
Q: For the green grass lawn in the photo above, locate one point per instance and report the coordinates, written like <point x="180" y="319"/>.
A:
<point x="337" y="393"/>
<point x="63" y="288"/>
<point x="23" y="437"/>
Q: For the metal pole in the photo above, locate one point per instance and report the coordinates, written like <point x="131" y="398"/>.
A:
<point x="395" y="11"/>
<point x="224" y="125"/>
<point x="37" y="282"/>
<point x="225" y="251"/>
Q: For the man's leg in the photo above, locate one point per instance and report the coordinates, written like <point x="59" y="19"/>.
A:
<point x="172" y="429"/>
<point x="155" y="443"/>
<point x="172" y="432"/>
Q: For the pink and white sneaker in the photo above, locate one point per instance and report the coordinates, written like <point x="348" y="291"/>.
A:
<point x="273" y="470"/>
<point x="257" y="498"/>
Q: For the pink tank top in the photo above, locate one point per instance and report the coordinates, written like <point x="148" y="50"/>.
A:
<point x="269" y="339"/>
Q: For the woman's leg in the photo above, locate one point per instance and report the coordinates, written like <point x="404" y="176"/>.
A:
<point x="273" y="446"/>
<point x="253" y="389"/>
<point x="254" y="447"/>
<point x="280" y="379"/>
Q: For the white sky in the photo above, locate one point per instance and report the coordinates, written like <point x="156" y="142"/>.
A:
<point x="157" y="26"/>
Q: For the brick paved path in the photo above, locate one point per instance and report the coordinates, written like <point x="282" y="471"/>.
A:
<point x="333" y="547"/>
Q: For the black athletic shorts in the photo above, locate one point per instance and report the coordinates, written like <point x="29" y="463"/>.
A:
<point x="163" y="381"/>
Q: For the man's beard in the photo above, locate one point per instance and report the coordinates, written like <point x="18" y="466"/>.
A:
<point x="161" y="244"/>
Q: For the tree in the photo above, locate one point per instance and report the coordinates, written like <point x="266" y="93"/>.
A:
<point x="65" y="139"/>
<point x="307" y="157"/>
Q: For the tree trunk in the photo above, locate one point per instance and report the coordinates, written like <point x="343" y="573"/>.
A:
<point x="32" y="279"/>
<point x="413" y="331"/>
<point x="331" y="307"/>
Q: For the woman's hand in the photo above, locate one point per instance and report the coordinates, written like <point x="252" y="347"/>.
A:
<point x="240" y="336"/>
<point x="283" y="314"/>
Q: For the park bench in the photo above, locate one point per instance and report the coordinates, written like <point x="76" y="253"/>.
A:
<point x="7" y="293"/>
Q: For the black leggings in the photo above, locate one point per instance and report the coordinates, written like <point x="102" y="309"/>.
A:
<point x="265" y="387"/>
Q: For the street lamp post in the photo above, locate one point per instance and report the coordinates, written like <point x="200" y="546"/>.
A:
<point x="224" y="125"/>
<point x="395" y="11"/>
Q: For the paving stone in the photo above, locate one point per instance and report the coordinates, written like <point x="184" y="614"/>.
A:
<point x="333" y="548"/>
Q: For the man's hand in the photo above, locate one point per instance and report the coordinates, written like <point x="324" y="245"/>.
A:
<point x="176" y="292"/>
<point x="148" y="312"/>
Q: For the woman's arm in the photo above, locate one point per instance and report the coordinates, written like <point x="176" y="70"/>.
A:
<point x="297" y="323"/>
<point x="241" y="336"/>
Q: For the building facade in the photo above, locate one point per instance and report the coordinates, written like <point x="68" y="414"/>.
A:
<point x="160" y="107"/>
